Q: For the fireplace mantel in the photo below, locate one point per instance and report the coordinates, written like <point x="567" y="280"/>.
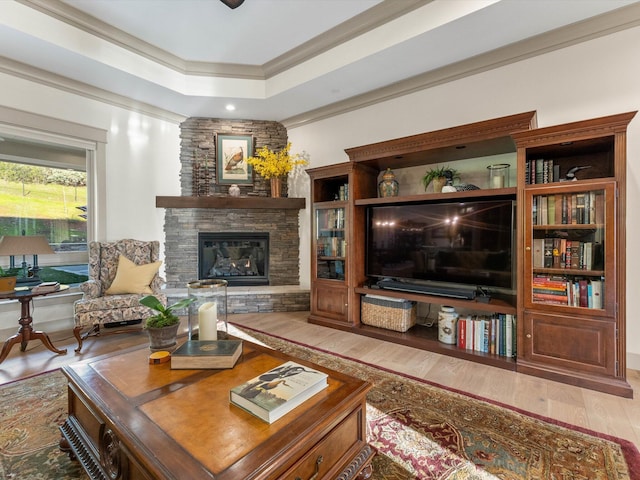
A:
<point x="231" y="202"/>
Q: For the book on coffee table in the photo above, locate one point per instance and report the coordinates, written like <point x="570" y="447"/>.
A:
<point x="278" y="391"/>
<point x="203" y="354"/>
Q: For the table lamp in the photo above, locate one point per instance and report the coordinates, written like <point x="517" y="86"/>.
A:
<point x="12" y="245"/>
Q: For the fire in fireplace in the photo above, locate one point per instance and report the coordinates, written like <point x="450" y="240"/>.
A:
<point x="240" y="258"/>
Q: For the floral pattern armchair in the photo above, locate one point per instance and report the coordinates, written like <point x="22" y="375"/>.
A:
<point x="96" y="309"/>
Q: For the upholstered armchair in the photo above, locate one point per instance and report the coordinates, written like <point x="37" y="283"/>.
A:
<point x="120" y="274"/>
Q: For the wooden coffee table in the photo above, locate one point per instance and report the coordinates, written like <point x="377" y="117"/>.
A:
<point x="131" y="420"/>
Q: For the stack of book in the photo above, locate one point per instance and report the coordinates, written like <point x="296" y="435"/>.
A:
<point x="570" y="291"/>
<point x="550" y="289"/>
<point x="278" y="391"/>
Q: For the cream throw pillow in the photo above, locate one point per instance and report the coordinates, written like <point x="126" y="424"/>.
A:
<point x="132" y="278"/>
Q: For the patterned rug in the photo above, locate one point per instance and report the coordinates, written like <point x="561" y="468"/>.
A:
<point x="419" y="430"/>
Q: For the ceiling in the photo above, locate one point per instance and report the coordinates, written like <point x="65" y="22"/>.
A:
<point x="293" y="61"/>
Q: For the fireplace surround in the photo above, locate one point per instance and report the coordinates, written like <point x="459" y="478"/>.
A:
<point x="186" y="217"/>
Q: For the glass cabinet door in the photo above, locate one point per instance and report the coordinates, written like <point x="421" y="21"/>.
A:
<point x="331" y="245"/>
<point x="569" y="236"/>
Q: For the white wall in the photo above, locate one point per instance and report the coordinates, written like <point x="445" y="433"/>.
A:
<point x="597" y="78"/>
<point x="593" y="79"/>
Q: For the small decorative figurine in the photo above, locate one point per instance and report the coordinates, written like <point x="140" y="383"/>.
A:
<point x="571" y="174"/>
<point x="234" y="190"/>
<point x="388" y="186"/>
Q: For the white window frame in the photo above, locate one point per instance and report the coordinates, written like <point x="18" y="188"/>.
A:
<point x="59" y="132"/>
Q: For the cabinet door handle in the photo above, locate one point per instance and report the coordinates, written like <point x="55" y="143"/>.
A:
<point x="317" y="471"/>
<point x="528" y="335"/>
<point x="527" y="248"/>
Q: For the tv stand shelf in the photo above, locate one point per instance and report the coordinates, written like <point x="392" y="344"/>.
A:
<point x="426" y="338"/>
<point x="506" y="304"/>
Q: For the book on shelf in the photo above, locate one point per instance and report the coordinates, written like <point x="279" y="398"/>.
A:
<point x="46" y="287"/>
<point x="205" y="354"/>
<point x="595" y="293"/>
<point x="581" y="208"/>
<point x="273" y="394"/>
<point x="494" y="334"/>
<point x="568" y="290"/>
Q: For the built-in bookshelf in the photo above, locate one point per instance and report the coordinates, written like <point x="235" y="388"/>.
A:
<point x="571" y="300"/>
<point x="568" y="312"/>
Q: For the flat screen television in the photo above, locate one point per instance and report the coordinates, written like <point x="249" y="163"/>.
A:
<point x="452" y="243"/>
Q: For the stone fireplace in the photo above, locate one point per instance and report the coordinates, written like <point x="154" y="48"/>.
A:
<point x="184" y="226"/>
<point x="206" y="210"/>
<point x="188" y="217"/>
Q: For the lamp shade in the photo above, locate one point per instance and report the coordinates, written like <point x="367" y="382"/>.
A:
<point x="24" y="245"/>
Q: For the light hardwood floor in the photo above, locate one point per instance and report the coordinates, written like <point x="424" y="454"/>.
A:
<point x="597" y="411"/>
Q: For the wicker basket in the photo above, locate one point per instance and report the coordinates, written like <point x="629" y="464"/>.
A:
<point x="398" y="315"/>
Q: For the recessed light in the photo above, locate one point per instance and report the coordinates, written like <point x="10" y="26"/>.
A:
<point x="230" y="108"/>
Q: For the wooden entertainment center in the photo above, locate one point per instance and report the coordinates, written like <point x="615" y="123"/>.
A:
<point x="577" y="337"/>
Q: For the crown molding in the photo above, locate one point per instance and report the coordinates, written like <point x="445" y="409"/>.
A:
<point x="78" y="19"/>
<point x="368" y="20"/>
<point x="596" y="27"/>
<point x="602" y="25"/>
<point x="59" y="82"/>
<point x="378" y="15"/>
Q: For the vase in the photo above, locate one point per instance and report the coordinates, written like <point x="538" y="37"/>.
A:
<point x="276" y="187"/>
<point x="163" y="338"/>
<point x="388" y="186"/>
<point x="234" y="190"/>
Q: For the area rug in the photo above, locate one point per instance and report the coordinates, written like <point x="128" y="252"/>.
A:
<point x="419" y="431"/>
<point x="425" y="431"/>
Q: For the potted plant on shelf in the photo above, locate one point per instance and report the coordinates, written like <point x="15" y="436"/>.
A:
<point x="7" y="280"/>
<point x="439" y="176"/>
<point x="275" y="166"/>
<point x="163" y="326"/>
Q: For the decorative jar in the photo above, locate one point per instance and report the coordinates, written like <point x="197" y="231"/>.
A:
<point x="208" y="310"/>
<point x="388" y="186"/>
<point x="447" y="323"/>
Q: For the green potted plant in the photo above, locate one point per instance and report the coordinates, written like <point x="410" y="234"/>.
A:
<point x="439" y="177"/>
<point x="7" y="280"/>
<point x="163" y="326"/>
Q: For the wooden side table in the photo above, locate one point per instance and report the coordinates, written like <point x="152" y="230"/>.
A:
<point x="26" y="331"/>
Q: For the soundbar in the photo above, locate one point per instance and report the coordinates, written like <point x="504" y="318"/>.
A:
<point x="468" y="293"/>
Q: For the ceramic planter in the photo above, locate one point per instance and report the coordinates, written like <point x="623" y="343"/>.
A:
<point x="163" y="338"/>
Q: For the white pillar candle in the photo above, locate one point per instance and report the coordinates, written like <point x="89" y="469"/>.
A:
<point x="497" y="182"/>
<point x="208" y="321"/>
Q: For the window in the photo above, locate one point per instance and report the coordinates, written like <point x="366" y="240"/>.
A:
<point x="44" y="191"/>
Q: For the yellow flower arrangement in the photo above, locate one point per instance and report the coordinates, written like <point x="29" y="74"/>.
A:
<point x="270" y="164"/>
